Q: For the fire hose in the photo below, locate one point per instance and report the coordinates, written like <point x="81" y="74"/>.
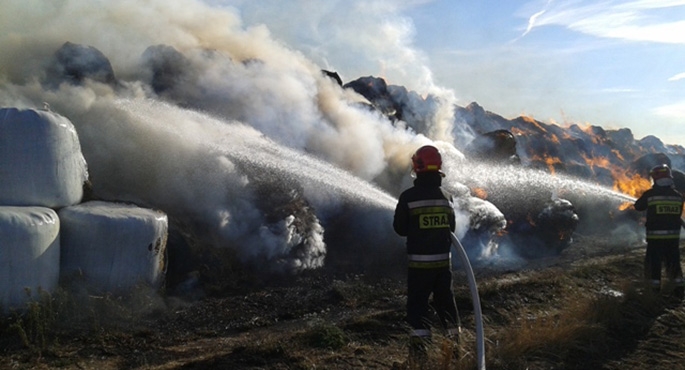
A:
<point x="478" y="314"/>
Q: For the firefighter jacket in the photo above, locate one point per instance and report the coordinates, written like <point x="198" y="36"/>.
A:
<point x="664" y="207"/>
<point x="425" y="216"/>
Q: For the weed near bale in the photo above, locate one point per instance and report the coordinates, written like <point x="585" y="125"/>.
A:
<point x="35" y="325"/>
<point x="574" y="316"/>
<point x="326" y="336"/>
<point x="585" y="330"/>
<point x="556" y="336"/>
<point x="50" y="318"/>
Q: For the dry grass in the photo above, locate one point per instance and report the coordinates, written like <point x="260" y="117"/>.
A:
<point x="592" y="314"/>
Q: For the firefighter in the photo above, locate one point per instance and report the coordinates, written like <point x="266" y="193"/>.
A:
<point x="425" y="216"/>
<point x="664" y="206"/>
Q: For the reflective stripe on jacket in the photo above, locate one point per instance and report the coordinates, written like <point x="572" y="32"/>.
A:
<point x="663" y="234"/>
<point x="664" y="206"/>
<point x="429" y="261"/>
<point x="425" y="216"/>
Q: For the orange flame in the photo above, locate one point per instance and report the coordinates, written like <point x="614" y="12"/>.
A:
<point x="625" y="206"/>
<point x="549" y="161"/>
<point x="633" y="186"/>
<point x="535" y="123"/>
<point x="517" y="131"/>
<point x="593" y="162"/>
<point x="617" y="154"/>
<point x="528" y="119"/>
<point x="624" y="180"/>
<point x="480" y="193"/>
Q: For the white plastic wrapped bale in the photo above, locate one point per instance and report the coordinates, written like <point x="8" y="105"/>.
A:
<point x="29" y="254"/>
<point x="41" y="163"/>
<point x="113" y="247"/>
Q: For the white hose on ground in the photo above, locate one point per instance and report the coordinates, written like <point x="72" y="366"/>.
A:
<point x="478" y="314"/>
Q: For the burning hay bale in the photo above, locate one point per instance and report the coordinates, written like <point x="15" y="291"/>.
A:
<point x="644" y="164"/>
<point x="497" y="146"/>
<point x="288" y="217"/>
<point x="557" y="221"/>
<point x="376" y="91"/>
<point x="544" y="234"/>
<point x="486" y="223"/>
<point x="191" y="131"/>
<point x="334" y="76"/>
<point x="166" y="66"/>
<point x="74" y="63"/>
<point x="289" y="239"/>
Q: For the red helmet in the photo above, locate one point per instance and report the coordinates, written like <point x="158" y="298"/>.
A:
<point x="427" y="158"/>
<point x="660" y="172"/>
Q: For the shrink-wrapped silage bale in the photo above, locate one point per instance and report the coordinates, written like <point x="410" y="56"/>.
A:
<point x="41" y="163"/>
<point x="113" y="247"/>
<point x="29" y="254"/>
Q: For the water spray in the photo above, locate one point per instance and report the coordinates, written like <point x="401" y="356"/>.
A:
<point x="633" y="199"/>
<point x="478" y="314"/>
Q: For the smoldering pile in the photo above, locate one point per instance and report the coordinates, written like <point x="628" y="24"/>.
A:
<point x="241" y="191"/>
<point x="227" y="180"/>
<point x="503" y="159"/>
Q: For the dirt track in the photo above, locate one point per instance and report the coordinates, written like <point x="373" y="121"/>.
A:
<point x="322" y="321"/>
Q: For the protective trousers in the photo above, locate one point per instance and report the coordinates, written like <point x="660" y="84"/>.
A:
<point x="421" y="282"/>
<point x="663" y="252"/>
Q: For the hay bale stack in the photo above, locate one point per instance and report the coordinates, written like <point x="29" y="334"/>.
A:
<point x="41" y="163"/>
<point x="113" y="247"/>
<point x="29" y="254"/>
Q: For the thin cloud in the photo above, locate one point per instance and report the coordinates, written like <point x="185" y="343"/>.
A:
<point x="676" y="110"/>
<point x="618" y="90"/>
<point x="678" y="77"/>
<point x="658" y="21"/>
<point x="532" y="21"/>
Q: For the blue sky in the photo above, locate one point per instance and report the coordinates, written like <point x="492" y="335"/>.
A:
<point x="602" y="62"/>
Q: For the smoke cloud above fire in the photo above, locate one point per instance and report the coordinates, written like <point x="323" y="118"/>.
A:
<point x="239" y="137"/>
<point x="242" y="104"/>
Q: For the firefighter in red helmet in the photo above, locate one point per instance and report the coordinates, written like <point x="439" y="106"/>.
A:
<point x="664" y="206"/>
<point x="425" y="216"/>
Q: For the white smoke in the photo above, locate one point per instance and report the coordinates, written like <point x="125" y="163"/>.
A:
<point x="246" y="103"/>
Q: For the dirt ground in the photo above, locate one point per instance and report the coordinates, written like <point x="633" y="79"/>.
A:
<point x="586" y="309"/>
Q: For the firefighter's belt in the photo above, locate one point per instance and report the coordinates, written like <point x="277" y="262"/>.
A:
<point x="429" y="261"/>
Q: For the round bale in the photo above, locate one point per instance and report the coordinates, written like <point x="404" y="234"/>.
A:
<point x="113" y="247"/>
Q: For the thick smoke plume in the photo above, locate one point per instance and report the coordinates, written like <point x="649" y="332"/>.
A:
<point x="180" y="108"/>
<point x="248" y="145"/>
